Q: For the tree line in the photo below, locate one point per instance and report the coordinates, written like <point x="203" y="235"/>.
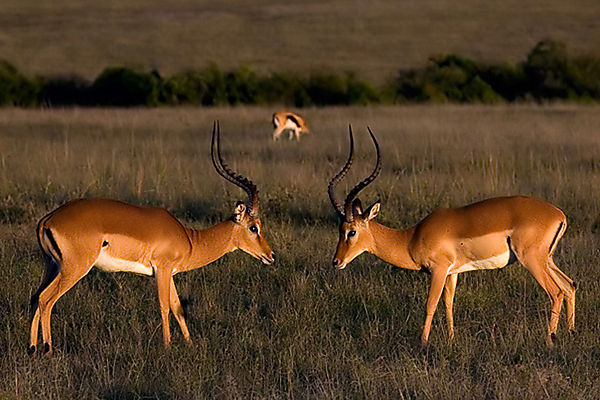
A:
<point x="548" y="73"/>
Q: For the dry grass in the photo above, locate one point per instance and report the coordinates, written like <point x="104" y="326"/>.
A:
<point x="373" y="38"/>
<point x="299" y="329"/>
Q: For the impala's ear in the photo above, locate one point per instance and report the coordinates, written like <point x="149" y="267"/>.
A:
<point x="239" y="212"/>
<point x="356" y="207"/>
<point x="372" y="211"/>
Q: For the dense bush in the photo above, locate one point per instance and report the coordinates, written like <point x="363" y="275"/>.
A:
<point x="65" y="91"/>
<point x="552" y="74"/>
<point x="333" y="89"/>
<point x="508" y="81"/>
<point x="546" y="69"/>
<point x="16" y="89"/>
<point x="284" y="88"/>
<point x="122" y="86"/>
<point x="446" y="78"/>
<point x="547" y="73"/>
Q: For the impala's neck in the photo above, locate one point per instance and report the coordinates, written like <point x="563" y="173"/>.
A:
<point x="209" y="244"/>
<point x="391" y="245"/>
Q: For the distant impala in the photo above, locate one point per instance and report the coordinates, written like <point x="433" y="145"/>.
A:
<point x="291" y="122"/>
<point x="115" y="236"/>
<point x="485" y="235"/>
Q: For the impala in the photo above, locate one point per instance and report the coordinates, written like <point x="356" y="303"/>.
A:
<point x="115" y="236"/>
<point x="485" y="235"/>
<point x="291" y="122"/>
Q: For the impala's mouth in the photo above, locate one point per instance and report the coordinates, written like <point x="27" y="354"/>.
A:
<point x="338" y="264"/>
<point x="268" y="260"/>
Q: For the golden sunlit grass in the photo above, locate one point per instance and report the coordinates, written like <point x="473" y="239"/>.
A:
<point x="299" y="328"/>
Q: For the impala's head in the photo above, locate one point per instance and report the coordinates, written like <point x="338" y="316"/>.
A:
<point x="247" y="235"/>
<point x="354" y="234"/>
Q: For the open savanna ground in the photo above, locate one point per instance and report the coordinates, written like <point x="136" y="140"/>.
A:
<point x="372" y="38"/>
<point x="299" y="328"/>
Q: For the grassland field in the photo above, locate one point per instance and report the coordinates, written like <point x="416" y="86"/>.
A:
<point x="372" y="38"/>
<point x="299" y="328"/>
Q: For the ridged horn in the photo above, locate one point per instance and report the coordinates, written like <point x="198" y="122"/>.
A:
<point x="233" y="177"/>
<point x="364" y="183"/>
<point x="338" y="177"/>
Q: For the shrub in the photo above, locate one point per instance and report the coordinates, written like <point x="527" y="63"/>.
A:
<point x="122" y="86"/>
<point x="326" y="88"/>
<point x="329" y="88"/>
<point x="283" y="88"/>
<point x="186" y="88"/>
<point x="583" y="75"/>
<point x="546" y="69"/>
<point x="15" y="88"/>
<point x="509" y="82"/>
<point x="65" y="91"/>
<point x="242" y="86"/>
<point x="446" y="78"/>
<point x="216" y="87"/>
<point x="360" y="92"/>
<point x="478" y="90"/>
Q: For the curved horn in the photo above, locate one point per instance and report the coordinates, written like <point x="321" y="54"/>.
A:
<point x="361" y="185"/>
<point x="223" y="170"/>
<point x="337" y="178"/>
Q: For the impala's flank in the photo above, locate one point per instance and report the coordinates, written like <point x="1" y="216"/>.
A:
<point x="485" y="235"/>
<point x="291" y="122"/>
<point x="115" y="236"/>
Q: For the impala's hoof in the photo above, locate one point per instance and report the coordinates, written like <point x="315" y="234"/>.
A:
<point x="47" y="350"/>
<point x="30" y="350"/>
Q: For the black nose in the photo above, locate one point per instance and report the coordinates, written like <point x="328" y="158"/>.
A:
<point x="335" y="262"/>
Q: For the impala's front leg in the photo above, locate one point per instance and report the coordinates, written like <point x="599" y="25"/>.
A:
<point x="438" y="279"/>
<point x="163" y="283"/>
<point x="449" y="290"/>
<point x="178" y="312"/>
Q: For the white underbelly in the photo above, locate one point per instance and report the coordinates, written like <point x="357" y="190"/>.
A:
<point x="112" y="264"/>
<point x="495" y="262"/>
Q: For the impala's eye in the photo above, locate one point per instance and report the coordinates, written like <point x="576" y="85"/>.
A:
<point x="253" y="229"/>
<point x="351" y="233"/>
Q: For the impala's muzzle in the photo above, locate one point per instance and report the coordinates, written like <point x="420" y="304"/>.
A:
<point x="267" y="259"/>
<point x="337" y="263"/>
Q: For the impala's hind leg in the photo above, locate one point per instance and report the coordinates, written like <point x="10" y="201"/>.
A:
<point x="568" y="288"/>
<point x="50" y="274"/>
<point x="537" y="263"/>
<point x="71" y="271"/>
